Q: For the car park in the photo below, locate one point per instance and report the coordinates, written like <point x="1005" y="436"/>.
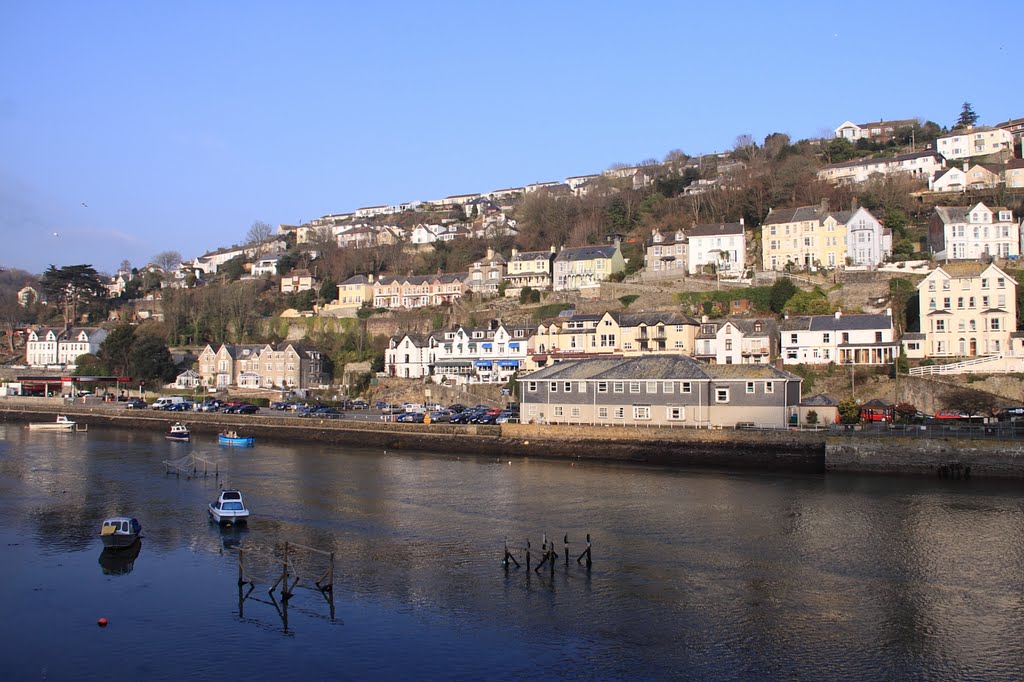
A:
<point x="440" y="416"/>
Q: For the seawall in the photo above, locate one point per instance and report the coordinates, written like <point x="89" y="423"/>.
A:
<point x="722" y="449"/>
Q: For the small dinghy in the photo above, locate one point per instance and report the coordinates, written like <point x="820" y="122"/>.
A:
<point x="62" y="424"/>
<point x="119" y="532"/>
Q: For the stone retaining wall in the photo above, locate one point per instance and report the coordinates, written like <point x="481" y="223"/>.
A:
<point x="925" y="456"/>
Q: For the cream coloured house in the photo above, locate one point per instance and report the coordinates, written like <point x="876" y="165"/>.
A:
<point x="586" y="266"/>
<point x="806" y="237"/>
<point x="611" y="333"/>
<point x="976" y="141"/>
<point x="528" y="269"/>
<point x="967" y="309"/>
<point x="289" y="365"/>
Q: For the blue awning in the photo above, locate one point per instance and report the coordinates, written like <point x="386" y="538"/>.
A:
<point x="508" y="363"/>
<point x="486" y="345"/>
<point x="482" y="363"/>
<point x="514" y="344"/>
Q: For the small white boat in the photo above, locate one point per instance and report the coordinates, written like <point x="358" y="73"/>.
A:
<point x="229" y="508"/>
<point x="178" y="432"/>
<point x="119" y="532"/>
<point x="62" y="424"/>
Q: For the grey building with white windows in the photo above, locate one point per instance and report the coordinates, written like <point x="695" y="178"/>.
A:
<point x="665" y="390"/>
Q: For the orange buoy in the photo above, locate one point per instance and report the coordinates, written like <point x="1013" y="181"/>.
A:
<point x="102" y="622"/>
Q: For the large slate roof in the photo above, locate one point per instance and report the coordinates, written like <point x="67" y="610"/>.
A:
<point x="653" y="368"/>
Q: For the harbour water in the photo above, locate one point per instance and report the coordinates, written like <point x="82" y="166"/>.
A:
<point x="695" y="575"/>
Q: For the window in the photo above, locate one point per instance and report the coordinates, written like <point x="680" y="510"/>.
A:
<point x="652" y="387"/>
<point x="574" y="412"/>
<point x="667" y="387"/>
<point x="996" y="325"/>
<point x="769" y="387"/>
<point x="984" y="284"/>
<point x="686" y="387"/>
<point x="634" y="387"/>
<point x="1000" y="283"/>
<point x="750" y="387"/>
<point x="602" y="387"/>
<point x="558" y="410"/>
<point x="581" y="387"/>
<point x="945" y="285"/>
<point x="721" y="395"/>
<point x="620" y="412"/>
<point x="531" y="386"/>
<point x="619" y="387"/>
<point x="940" y="325"/>
<point x="602" y="413"/>
<point x="945" y="303"/>
<point x="675" y="413"/>
<point x="553" y="387"/>
<point x="642" y="412"/>
<point x="567" y="387"/>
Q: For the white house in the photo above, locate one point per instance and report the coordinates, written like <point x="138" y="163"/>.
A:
<point x="723" y="246"/>
<point x="459" y="355"/>
<point x="884" y="130"/>
<point x="967" y="233"/>
<point x="838" y="338"/>
<point x="868" y="242"/>
<point x="55" y="346"/>
<point x="922" y="165"/>
<point x="976" y="141"/>
<point x="266" y="265"/>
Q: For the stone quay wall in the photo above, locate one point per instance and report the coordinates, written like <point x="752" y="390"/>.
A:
<point x="716" y="448"/>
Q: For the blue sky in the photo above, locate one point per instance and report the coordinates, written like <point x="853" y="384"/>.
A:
<point x="179" y="124"/>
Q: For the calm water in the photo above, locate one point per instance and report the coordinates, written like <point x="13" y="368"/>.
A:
<point x="696" y="575"/>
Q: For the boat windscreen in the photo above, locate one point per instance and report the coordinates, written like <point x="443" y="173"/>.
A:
<point x="232" y="506"/>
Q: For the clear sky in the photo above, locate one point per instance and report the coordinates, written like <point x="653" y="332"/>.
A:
<point x="131" y="128"/>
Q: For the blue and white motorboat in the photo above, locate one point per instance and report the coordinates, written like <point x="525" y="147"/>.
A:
<point x="229" y="508"/>
<point x="232" y="438"/>
<point x="179" y="432"/>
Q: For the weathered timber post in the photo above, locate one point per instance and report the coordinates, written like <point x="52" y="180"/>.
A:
<point x="565" y="543"/>
<point x="586" y="553"/>
<point x="527" y="554"/>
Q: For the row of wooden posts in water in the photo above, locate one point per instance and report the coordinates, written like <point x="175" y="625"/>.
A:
<point x="548" y="554"/>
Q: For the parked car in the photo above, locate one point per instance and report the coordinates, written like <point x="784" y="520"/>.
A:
<point x="185" y="406"/>
<point x="950" y="414"/>
<point x="210" y="405"/>
<point x="246" y="409"/>
<point x="488" y="417"/>
<point x="506" y="416"/>
<point x="360" y="405"/>
<point x="457" y="407"/>
<point x="279" y="405"/>
<point x="136" y="404"/>
<point x="466" y="416"/>
<point x="388" y="408"/>
<point x="234" y="406"/>
<point x="440" y="416"/>
<point x="411" y="417"/>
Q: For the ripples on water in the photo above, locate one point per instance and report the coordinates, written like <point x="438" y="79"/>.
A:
<point x="695" y="574"/>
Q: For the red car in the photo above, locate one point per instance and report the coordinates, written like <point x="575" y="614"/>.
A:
<point x="950" y="414"/>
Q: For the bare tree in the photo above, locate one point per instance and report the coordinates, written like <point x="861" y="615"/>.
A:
<point x="258" y="235"/>
<point x="126" y="266"/>
<point x="167" y="260"/>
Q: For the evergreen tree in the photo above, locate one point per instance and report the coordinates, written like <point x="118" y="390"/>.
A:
<point x="967" y="117"/>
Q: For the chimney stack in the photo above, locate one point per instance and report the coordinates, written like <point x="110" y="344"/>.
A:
<point x="839" y="313"/>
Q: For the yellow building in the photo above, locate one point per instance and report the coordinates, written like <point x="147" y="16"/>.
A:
<point x="967" y="309"/>
<point x="807" y="238"/>
<point x="612" y="333"/>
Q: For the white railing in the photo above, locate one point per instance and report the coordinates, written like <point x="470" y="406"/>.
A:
<point x="954" y="367"/>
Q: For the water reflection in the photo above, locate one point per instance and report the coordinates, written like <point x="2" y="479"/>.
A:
<point x="120" y="561"/>
<point x="695" y="574"/>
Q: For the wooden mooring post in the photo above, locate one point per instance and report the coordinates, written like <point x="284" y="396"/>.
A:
<point x="549" y="555"/>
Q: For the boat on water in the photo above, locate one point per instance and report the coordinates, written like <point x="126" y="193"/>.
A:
<point x="119" y="532"/>
<point x="61" y="424"/>
<point x="232" y="438"/>
<point x="178" y="431"/>
<point x="229" y="508"/>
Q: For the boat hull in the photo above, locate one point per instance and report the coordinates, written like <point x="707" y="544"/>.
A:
<point x="178" y="437"/>
<point x="119" y="541"/>
<point x="236" y="442"/>
<point x="225" y="517"/>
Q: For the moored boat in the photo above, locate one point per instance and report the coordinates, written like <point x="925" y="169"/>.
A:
<point x="178" y="431"/>
<point x="119" y="532"/>
<point x="229" y="508"/>
<point x="232" y="438"/>
<point x="61" y="424"/>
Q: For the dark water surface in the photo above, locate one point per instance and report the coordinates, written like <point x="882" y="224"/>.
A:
<point x="696" y="575"/>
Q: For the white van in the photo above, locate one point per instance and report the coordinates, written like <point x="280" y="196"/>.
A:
<point x="167" y="401"/>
